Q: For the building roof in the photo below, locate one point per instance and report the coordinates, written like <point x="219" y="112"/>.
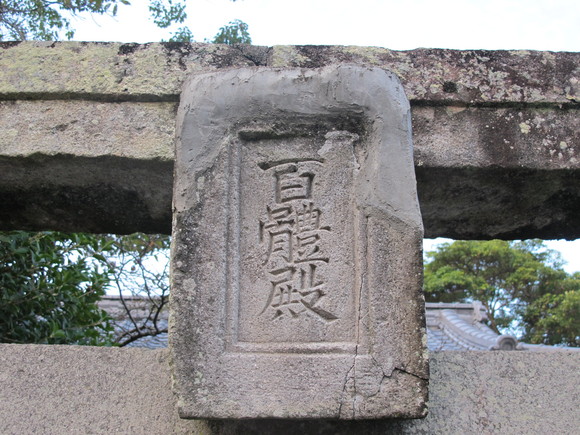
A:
<point x="462" y="326"/>
<point x="450" y="326"/>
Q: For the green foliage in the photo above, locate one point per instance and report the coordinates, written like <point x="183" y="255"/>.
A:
<point x="46" y="19"/>
<point x="164" y="15"/>
<point x="49" y="20"/>
<point x="554" y="318"/>
<point x="183" y="34"/>
<point x="236" y="32"/>
<point x="49" y="286"/>
<point x="521" y="284"/>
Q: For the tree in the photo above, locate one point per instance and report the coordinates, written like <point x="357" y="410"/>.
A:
<point x="554" y="319"/>
<point x="139" y="266"/>
<point x="50" y="284"/>
<point x="49" y="288"/>
<point x="49" y="19"/>
<point x="521" y="284"/>
<point x="236" y="32"/>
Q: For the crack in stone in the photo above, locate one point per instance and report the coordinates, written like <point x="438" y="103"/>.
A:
<point x="353" y="367"/>
<point x="344" y="388"/>
<point x="381" y="367"/>
<point x="410" y="373"/>
<point x="388" y="376"/>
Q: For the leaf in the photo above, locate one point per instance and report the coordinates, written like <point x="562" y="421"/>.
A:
<point x="59" y="333"/>
<point x="100" y="257"/>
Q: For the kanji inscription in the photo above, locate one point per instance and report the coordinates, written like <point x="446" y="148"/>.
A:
<point x="298" y="276"/>
<point x="292" y="234"/>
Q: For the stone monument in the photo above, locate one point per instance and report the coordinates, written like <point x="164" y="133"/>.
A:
<point x="296" y="262"/>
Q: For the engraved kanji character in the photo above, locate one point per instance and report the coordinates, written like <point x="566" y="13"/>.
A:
<point x="280" y="246"/>
<point x="295" y="291"/>
<point x="307" y="247"/>
<point x="307" y="217"/>
<point x="291" y="184"/>
<point x="283" y="291"/>
<point x="312" y="292"/>
<point x="278" y="230"/>
<point x="279" y="216"/>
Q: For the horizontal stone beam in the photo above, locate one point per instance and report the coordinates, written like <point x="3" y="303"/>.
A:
<point x="155" y="72"/>
<point x="81" y="389"/>
<point x="87" y="130"/>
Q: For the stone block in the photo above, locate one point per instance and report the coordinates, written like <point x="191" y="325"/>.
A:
<point x="296" y="264"/>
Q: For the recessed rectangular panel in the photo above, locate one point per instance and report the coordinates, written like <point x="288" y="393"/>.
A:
<point x="297" y="272"/>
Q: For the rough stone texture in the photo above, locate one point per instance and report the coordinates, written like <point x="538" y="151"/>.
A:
<point x="90" y="129"/>
<point x="296" y="265"/>
<point x="503" y="172"/>
<point x="108" y="71"/>
<point x="457" y="77"/>
<point x="486" y="125"/>
<point x="107" y="165"/>
<point x="87" y="390"/>
<point x="80" y="390"/>
<point x="153" y="72"/>
<point x="506" y="138"/>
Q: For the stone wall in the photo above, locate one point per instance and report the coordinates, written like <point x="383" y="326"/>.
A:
<point x="72" y="389"/>
<point x="86" y="133"/>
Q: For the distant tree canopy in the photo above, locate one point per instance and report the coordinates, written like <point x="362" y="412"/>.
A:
<point x="521" y="283"/>
<point x="49" y="20"/>
<point x="49" y="289"/>
<point x="236" y="32"/>
<point x="50" y="284"/>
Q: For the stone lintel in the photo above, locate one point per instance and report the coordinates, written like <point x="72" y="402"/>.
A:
<point x="155" y="71"/>
<point x="296" y="258"/>
<point x="108" y="167"/>
<point x="496" y="133"/>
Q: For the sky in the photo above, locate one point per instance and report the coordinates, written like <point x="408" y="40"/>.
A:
<point x="395" y="24"/>
<point x="552" y="25"/>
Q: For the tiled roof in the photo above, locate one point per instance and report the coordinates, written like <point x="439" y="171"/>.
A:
<point x="450" y="326"/>
<point x="461" y="326"/>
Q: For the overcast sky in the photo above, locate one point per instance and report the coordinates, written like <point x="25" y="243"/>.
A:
<point x="399" y="25"/>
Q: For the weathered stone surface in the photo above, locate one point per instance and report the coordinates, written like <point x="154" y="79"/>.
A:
<point x="154" y="72"/>
<point x="486" y="125"/>
<point x="56" y="170"/>
<point x="296" y="266"/>
<point x="457" y="77"/>
<point x="502" y="138"/>
<point x="136" y="130"/>
<point x="74" y="389"/>
<point x="109" y="71"/>
<point x="469" y="393"/>
<point x="107" y="165"/>
<point x="498" y="172"/>
<point x="87" y="390"/>
<point x="105" y="194"/>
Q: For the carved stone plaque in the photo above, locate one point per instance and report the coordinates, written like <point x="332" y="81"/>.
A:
<point x="296" y="264"/>
<point x="297" y="289"/>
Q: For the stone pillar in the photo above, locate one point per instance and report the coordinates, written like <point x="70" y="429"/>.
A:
<point x="296" y="265"/>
